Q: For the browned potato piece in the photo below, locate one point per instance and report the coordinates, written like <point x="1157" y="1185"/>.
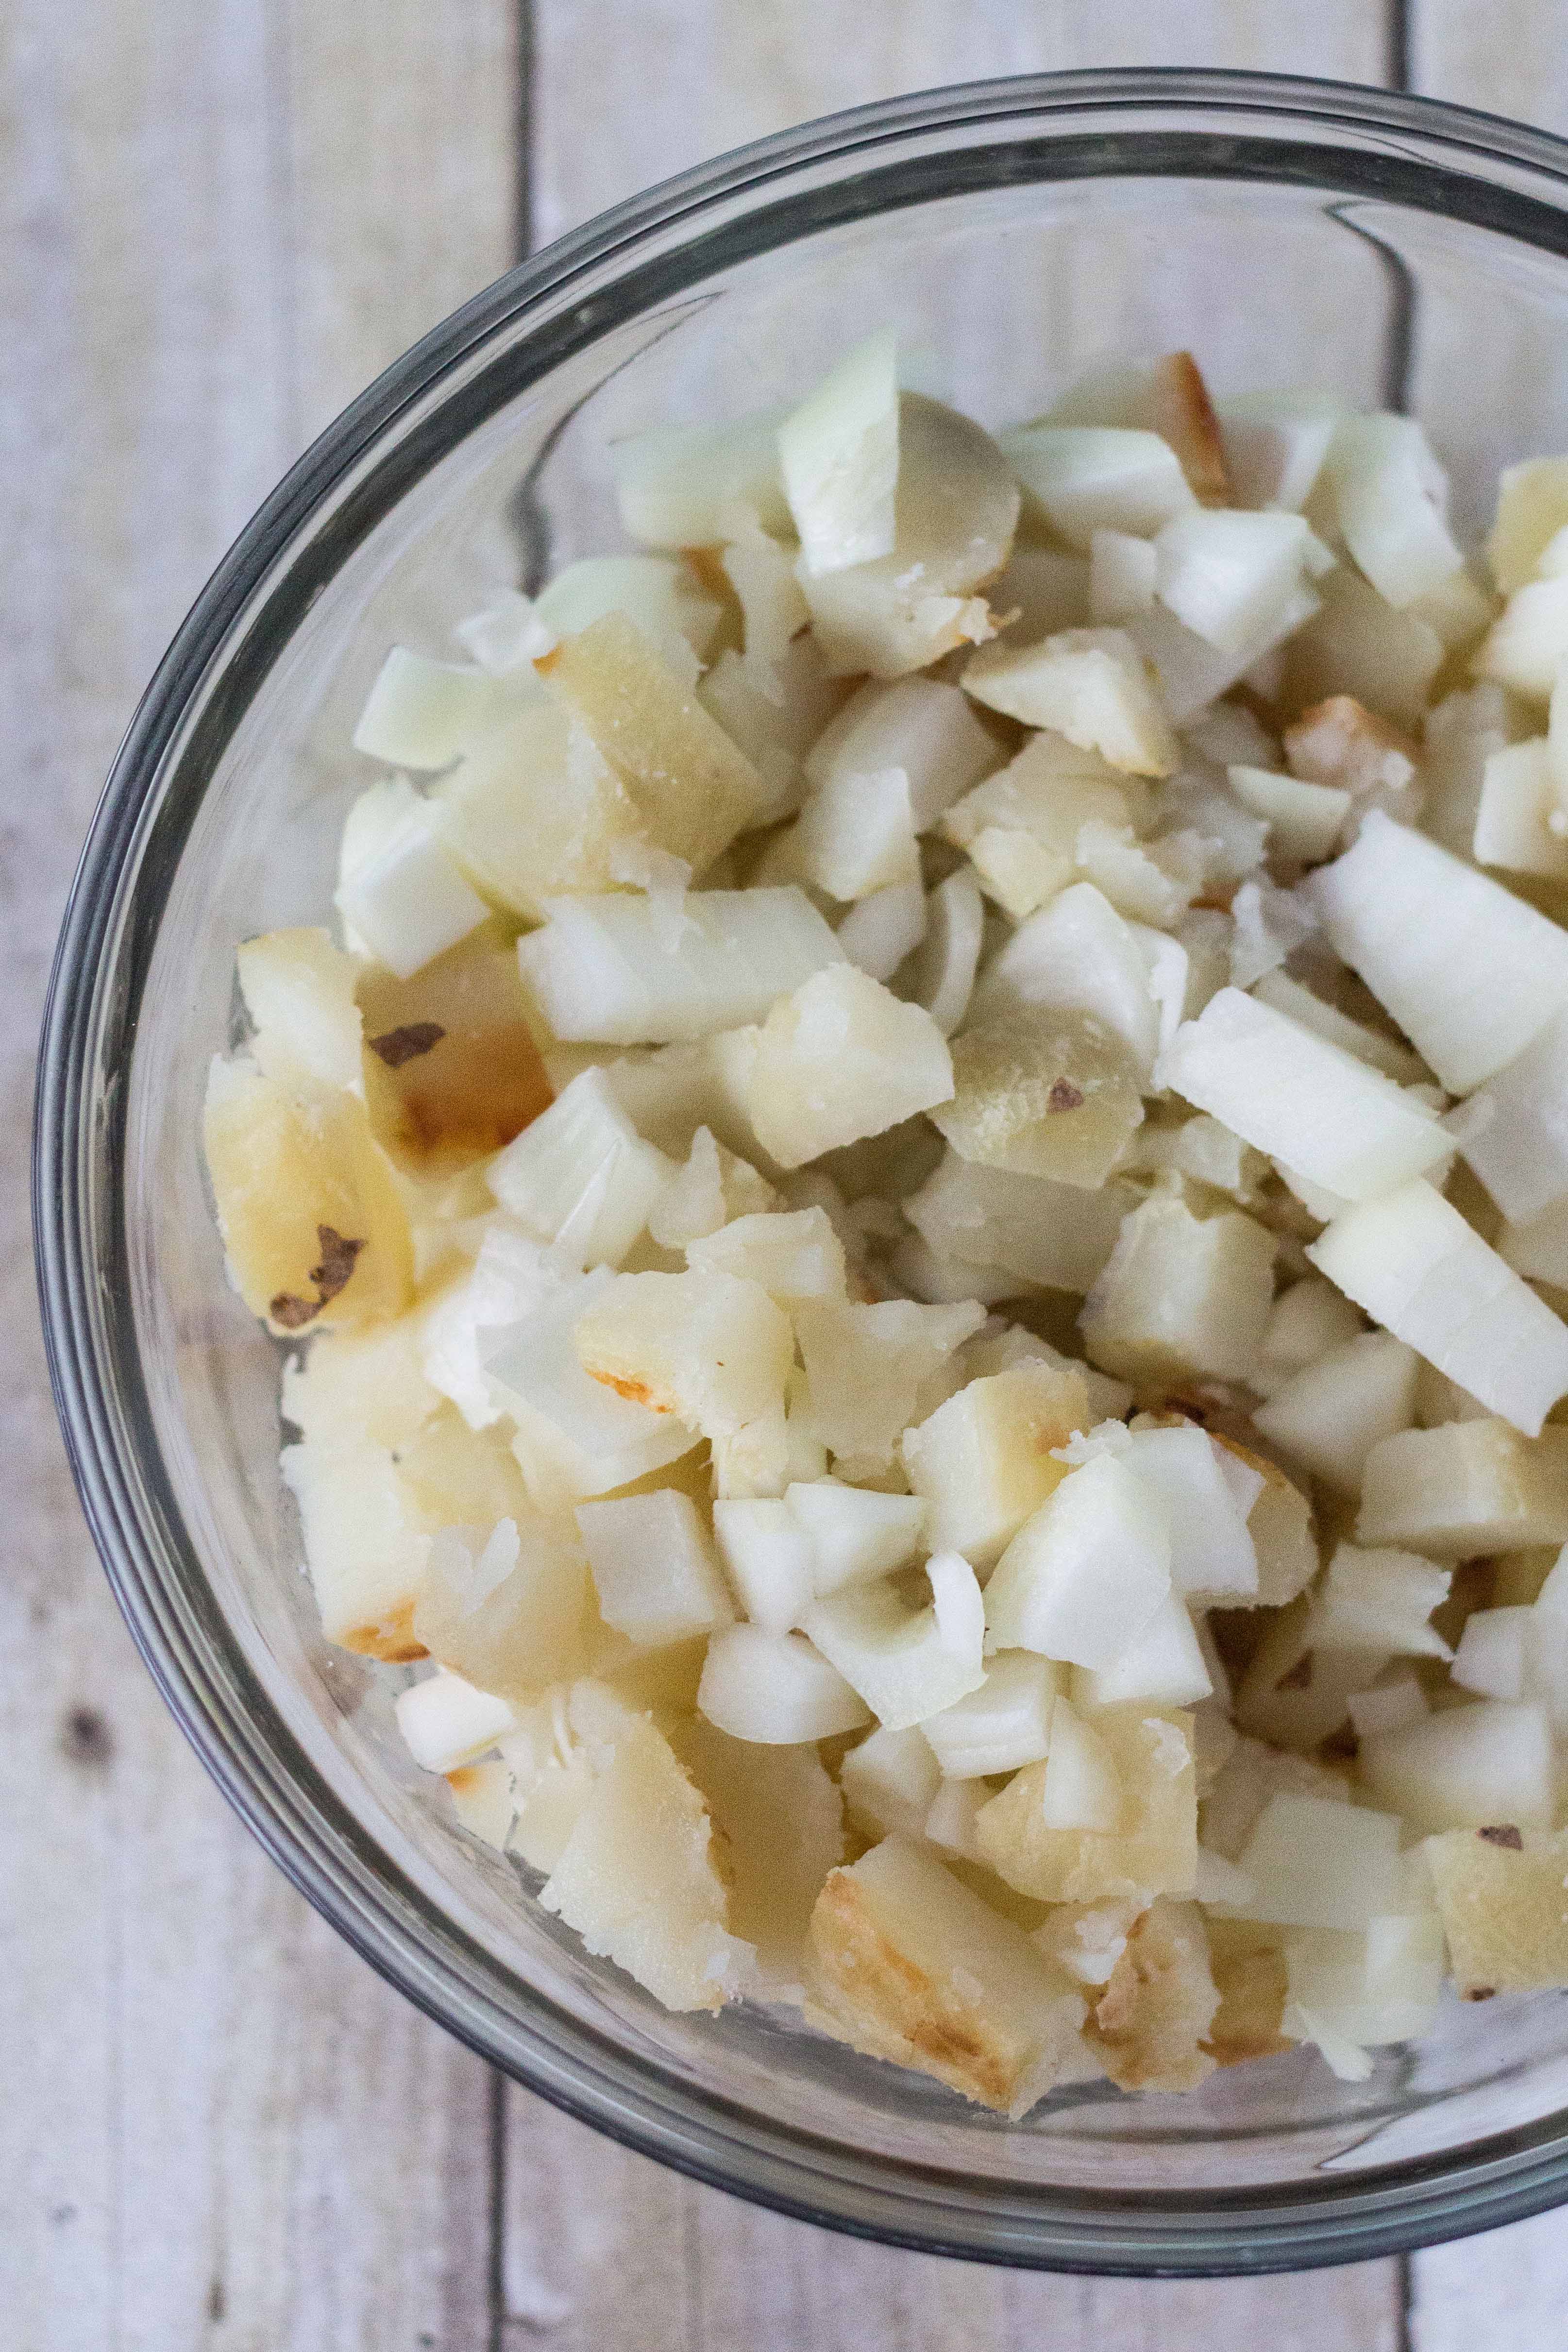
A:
<point x="314" y="1226"/>
<point x="1340" y="743"/>
<point x="1043" y="1094"/>
<point x="1156" y="1853"/>
<point x="1248" y="1962"/>
<point x="909" y="1965"/>
<point x="451" y="1068"/>
<point x="1151" y="2022"/>
<point x="1504" y="1895"/>
<point x="1183" y="415"/>
<point x="694" y="789"/>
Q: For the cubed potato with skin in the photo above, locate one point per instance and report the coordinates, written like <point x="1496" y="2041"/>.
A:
<point x="983" y="1462"/>
<point x="641" y="1881"/>
<point x="1183" y="1297"/>
<point x="315" y="1230"/>
<point x="1152" y="2023"/>
<point x="1502" y="1894"/>
<point x="1155" y="1851"/>
<point x="839" y="1059"/>
<point x="692" y="787"/>
<point x="909" y="1965"/>
<point x="1247" y="1959"/>
<point x="1042" y="1093"/>
<point x="451" y="1067"/>
<point x="1465" y="1490"/>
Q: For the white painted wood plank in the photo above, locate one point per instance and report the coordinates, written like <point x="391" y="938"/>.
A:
<point x="219" y="2129"/>
<point x="1510" y="2287"/>
<point x="602" y="2248"/>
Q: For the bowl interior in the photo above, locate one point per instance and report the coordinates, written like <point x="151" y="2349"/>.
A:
<point x="1011" y="255"/>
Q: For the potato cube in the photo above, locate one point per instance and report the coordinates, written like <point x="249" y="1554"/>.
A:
<point x="1183" y="1297"/>
<point x="451" y="1068"/>
<point x="1152" y="2023"/>
<point x="366" y="1545"/>
<point x="839" y="1059"/>
<point x="656" y="1569"/>
<point x="1465" y="1490"/>
<point x="869" y="1369"/>
<point x="367" y="1384"/>
<point x="782" y="1820"/>
<point x="298" y="991"/>
<point x="515" y="1619"/>
<point x="1466" y="1768"/>
<point x="693" y="788"/>
<point x="640" y="1879"/>
<point x="313" y="1221"/>
<point x="1280" y="1526"/>
<point x="908" y="1963"/>
<point x="533" y="808"/>
<point x="1042" y="1094"/>
<point x="710" y="1348"/>
<point x="1247" y="1959"/>
<point x="1090" y="685"/>
<point x="1155" y="1852"/>
<point x="983" y="1461"/>
<point x="1502" y="1893"/>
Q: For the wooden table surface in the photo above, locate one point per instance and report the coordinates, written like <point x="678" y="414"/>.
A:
<point x="219" y="2128"/>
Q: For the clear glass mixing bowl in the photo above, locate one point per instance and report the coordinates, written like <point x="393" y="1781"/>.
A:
<point x="1293" y="232"/>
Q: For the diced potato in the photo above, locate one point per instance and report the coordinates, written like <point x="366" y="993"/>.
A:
<point x="1275" y="443"/>
<point x="1519" y="800"/>
<point x="463" y="1477"/>
<point x="1250" y="1776"/>
<point x="1517" y="1137"/>
<point x="1079" y="955"/>
<point x="366" y="1544"/>
<point x="1153" y="2023"/>
<point x="1314" y="1862"/>
<point x="1295" y="1696"/>
<point x="1468" y="1768"/>
<point x="1233" y="577"/>
<point x="909" y="1965"/>
<point x="298" y="991"/>
<point x="1155" y="1851"/>
<point x="693" y="789"/>
<point x="1304" y="820"/>
<point x="451" y="1068"/>
<point x="1090" y="685"/>
<point x="1046" y="795"/>
<point x="1502" y="1893"/>
<point x="1391" y="499"/>
<point x="854" y="1534"/>
<point x="1379" y="1601"/>
<point x="354" y="1384"/>
<point x="955" y="510"/>
<point x="1330" y="1416"/>
<point x="1524" y="649"/>
<point x="709" y="1348"/>
<point x="654" y="1567"/>
<point x="867" y="1367"/>
<point x="640" y="1879"/>
<point x="1205" y="1493"/>
<point x="575" y="1436"/>
<point x="1052" y="1236"/>
<point x="1185" y="415"/>
<point x="1411" y="1261"/>
<point x="534" y="808"/>
<point x="1466" y="1489"/>
<point x="921" y="725"/>
<point x="1082" y="1788"/>
<point x="483" y="1801"/>
<point x="1418" y="924"/>
<point x="696" y="485"/>
<point x="1358" y="645"/>
<point x="422" y="713"/>
<point x="1280" y="1526"/>
<point x="839" y="1059"/>
<point x="1163" y="1664"/>
<point x="1182" y="1297"/>
<point x="514" y="1620"/>
<point x="717" y="1189"/>
<point x="782" y="1820"/>
<point x="580" y="1177"/>
<point x="1300" y="1099"/>
<point x="662" y="596"/>
<point x="1247" y="1959"/>
<point x="444" y="1721"/>
<point x="856" y="835"/>
<point x="313" y="1225"/>
<point x="1379" y="1985"/>
<point x="983" y="1462"/>
<point x="793" y="1254"/>
<point x="1041" y="1094"/>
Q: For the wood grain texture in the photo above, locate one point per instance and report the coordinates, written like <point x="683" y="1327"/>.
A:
<point x="219" y="2129"/>
<point x="1510" y="2287"/>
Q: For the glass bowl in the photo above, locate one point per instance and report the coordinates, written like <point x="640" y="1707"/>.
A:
<point x="1293" y="231"/>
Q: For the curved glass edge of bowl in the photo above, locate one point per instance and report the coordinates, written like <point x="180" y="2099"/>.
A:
<point x="116" y="1519"/>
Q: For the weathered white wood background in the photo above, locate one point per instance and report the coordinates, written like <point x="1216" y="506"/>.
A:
<point x="217" y="2128"/>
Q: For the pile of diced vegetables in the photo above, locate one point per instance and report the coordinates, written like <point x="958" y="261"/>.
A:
<point x="925" y="1215"/>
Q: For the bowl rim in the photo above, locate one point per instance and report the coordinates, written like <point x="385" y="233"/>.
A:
<point x="1498" y="174"/>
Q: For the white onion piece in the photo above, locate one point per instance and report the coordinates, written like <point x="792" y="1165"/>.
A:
<point x="1229" y="576"/>
<point x="1465" y="1768"/>
<point x="1316" y="1861"/>
<point x="603" y="973"/>
<point x="1327" y="1419"/>
<point x="906" y="1665"/>
<point x="774" y="1688"/>
<point x="1419" y="926"/>
<point x="944" y="977"/>
<point x="654" y="1567"/>
<point x="856" y="835"/>
<point x="1300" y="1099"/>
<point x="1162" y="1666"/>
<point x="1411" y="1262"/>
<point x="1304" y="820"/>
<point x="1299" y="1004"/>
<point x="1517" y="1137"/>
<point x="598" y="1439"/>
<point x="407" y="902"/>
<point x="1082" y="1789"/>
<point x="1391" y="499"/>
<point x="1275" y="443"/>
<point x="1122" y="574"/>
<point x="1084" y="479"/>
<point x="1212" y="1555"/>
<point x="506" y="633"/>
<point x="1086" y="1573"/>
<point x="769" y="1557"/>
<point x="1004" y="1725"/>
<point x="701" y="485"/>
<point x="659" y="593"/>
<point x="579" y="1175"/>
<point x="1379" y="1600"/>
<point x="422" y="713"/>
<point x="922" y="725"/>
<point x="1517" y="814"/>
<point x="838" y="455"/>
<point x="854" y="1533"/>
<point x="880" y="930"/>
<point x="444" y="1721"/>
